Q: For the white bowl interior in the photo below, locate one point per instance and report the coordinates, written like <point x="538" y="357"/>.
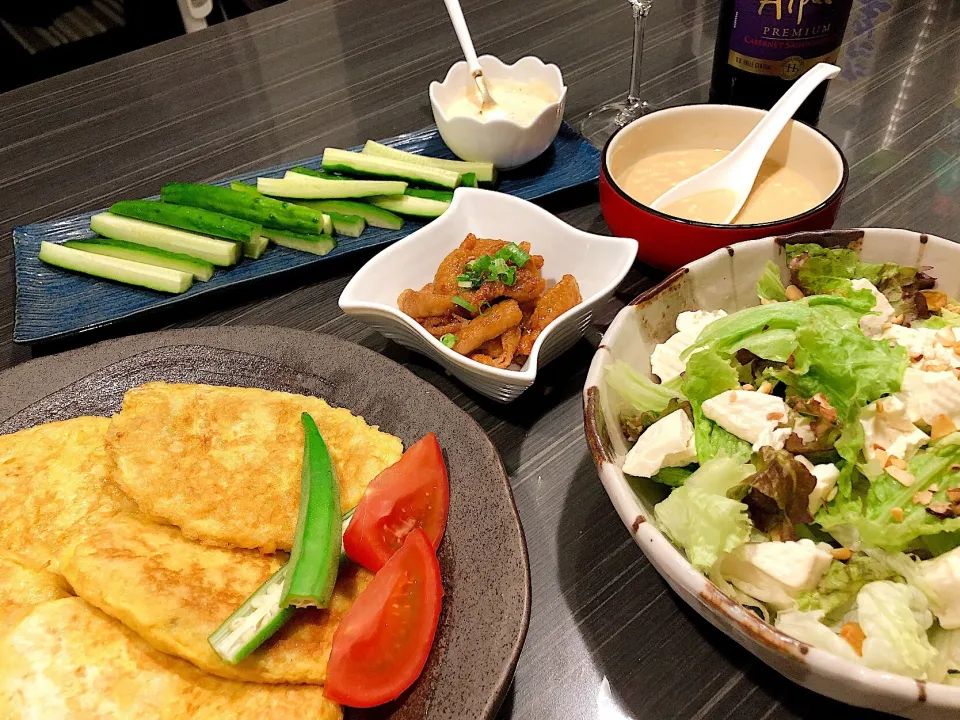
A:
<point x="723" y="127"/>
<point x="526" y="69"/>
<point x="727" y="280"/>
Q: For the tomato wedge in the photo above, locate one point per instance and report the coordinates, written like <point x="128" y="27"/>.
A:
<point x="382" y="643"/>
<point x="413" y="492"/>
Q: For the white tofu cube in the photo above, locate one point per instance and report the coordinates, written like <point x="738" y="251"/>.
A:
<point x="667" y="443"/>
<point x="665" y="360"/>
<point x="751" y="416"/>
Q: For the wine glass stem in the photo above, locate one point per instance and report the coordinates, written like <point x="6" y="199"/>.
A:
<point x="641" y="8"/>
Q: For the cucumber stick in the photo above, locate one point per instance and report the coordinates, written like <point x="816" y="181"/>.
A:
<point x="191" y="219"/>
<point x="444" y="196"/>
<point x="349" y="225"/>
<point x="267" y="212"/>
<point x="374" y="216"/>
<point x="484" y="172"/>
<point x="342" y="221"/>
<point x="111" y="268"/>
<point x="469" y="180"/>
<point x="411" y="206"/>
<point x="218" y="252"/>
<point x="360" y="164"/>
<point x="318" y="173"/>
<point x="200" y="269"/>
<point x="299" y="186"/>
<point x="316" y="244"/>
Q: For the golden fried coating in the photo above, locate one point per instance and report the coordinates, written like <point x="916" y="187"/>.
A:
<point x="174" y="592"/>
<point x="64" y="660"/>
<point x="422" y="304"/>
<point x="54" y="485"/>
<point x="496" y="321"/>
<point x="499" y="352"/>
<point x="23" y="584"/>
<point x="223" y="463"/>
<point x="551" y="305"/>
<point x="440" y="326"/>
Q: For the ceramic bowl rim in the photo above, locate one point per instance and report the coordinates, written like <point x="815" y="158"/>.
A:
<point x="549" y="109"/>
<point x="772" y="225"/>
<point x="461" y="198"/>
<point x="840" y="673"/>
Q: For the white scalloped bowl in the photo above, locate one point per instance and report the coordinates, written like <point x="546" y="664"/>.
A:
<point x="599" y="263"/>
<point x="727" y="279"/>
<point x="505" y="143"/>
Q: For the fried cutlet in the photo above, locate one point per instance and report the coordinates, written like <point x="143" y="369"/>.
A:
<point x="64" y="660"/>
<point x="54" y="484"/>
<point x="175" y="592"/>
<point x="223" y="464"/>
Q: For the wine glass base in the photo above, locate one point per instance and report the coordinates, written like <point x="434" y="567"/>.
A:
<point x="600" y="124"/>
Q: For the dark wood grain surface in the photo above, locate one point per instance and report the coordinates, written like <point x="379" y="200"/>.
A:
<point x="608" y="639"/>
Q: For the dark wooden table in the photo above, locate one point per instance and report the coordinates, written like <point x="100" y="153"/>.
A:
<point x="607" y="639"/>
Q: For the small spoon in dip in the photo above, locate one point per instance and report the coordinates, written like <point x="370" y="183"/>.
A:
<point x="719" y="192"/>
<point x="488" y="107"/>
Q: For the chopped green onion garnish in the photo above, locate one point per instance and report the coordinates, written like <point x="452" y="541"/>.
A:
<point x="510" y="276"/>
<point x="464" y="283"/>
<point x="482" y="264"/>
<point x="465" y="304"/>
<point x="514" y="254"/>
<point x="449" y="340"/>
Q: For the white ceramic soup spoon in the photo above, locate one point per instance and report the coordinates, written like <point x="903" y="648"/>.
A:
<point x="488" y="108"/>
<point x="732" y="178"/>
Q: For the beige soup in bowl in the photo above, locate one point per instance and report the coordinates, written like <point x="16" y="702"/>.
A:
<point x="666" y="148"/>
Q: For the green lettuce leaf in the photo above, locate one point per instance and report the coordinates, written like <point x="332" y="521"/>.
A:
<point x="770" y="286"/>
<point x="639" y="390"/>
<point x="838" y="588"/>
<point x="708" y="374"/>
<point x="777" y="345"/>
<point x="674" y="476"/>
<point x="700" y="518"/>
<point x="806" y="626"/>
<point x="869" y="511"/>
<point x="895" y="618"/>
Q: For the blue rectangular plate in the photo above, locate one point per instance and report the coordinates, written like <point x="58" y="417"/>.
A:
<point x="53" y="303"/>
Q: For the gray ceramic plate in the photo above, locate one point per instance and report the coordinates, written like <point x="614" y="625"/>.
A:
<point x="483" y="557"/>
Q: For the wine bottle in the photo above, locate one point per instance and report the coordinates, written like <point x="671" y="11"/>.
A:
<point x="763" y="46"/>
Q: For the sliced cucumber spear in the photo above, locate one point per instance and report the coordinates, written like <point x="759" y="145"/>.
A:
<point x="316" y="244"/>
<point x="341" y="220"/>
<point x="318" y="173"/>
<point x="268" y="212"/>
<point x="198" y="220"/>
<point x="411" y="206"/>
<point x="469" y="180"/>
<point x="484" y="172"/>
<point x="200" y="269"/>
<point x="260" y="615"/>
<point x="111" y="268"/>
<point x="364" y="164"/>
<point x="218" y="252"/>
<point x="374" y="216"/>
<point x="349" y="225"/>
<point x="444" y="196"/>
<point x="298" y="186"/>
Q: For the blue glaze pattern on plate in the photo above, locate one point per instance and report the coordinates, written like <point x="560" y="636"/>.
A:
<point x="53" y="303"/>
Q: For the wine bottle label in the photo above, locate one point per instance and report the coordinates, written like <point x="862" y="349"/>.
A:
<point x="785" y="38"/>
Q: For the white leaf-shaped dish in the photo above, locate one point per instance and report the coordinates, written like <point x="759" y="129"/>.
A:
<point x="599" y="263"/>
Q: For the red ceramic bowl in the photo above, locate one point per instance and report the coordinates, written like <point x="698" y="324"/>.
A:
<point x="667" y="242"/>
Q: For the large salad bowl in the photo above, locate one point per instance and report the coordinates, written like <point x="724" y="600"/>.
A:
<point x="727" y="279"/>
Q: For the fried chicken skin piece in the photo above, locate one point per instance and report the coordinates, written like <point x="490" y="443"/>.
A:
<point x="422" y="304"/>
<point x="499" y="352"/>
<point x="493" y="323"/>
<point x="551" y="305"/>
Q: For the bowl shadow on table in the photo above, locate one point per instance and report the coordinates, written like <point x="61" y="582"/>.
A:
<point x="660" y="657"/>
<point x="191" y="312"/>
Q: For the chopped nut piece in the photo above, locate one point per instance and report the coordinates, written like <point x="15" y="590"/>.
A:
<point x="941" y="510"/>
<point x="841" y="553"/>
<point x="854" y="635"/>
<point x="946" y="337"/>
<point x="936" y="366"/>
<point x="941" y="427"/>
<point x="795" y="293"/>
<point x="892" y="343"/>
<point x="894" y="461"/>
<point x="880" y="454"/>
<point x="897" y="514"/>
<point x="886" y="326"/>
<point x="775" y="416"/>
<point x="935" y="487"/>
<point x="747" y="387"/>
<point x="732" y="397"/>
<point x="904" y="477"/>
<point x="936" y="299"/>
<point x="954" y="495"/>
<point x="765" y="301"/>
<point x="827" y="411"/>
<point x="913" y="358"/>
<point x="924" y="497"/>
<point x="898" y="320"/>
<point x="766" y="387"/>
